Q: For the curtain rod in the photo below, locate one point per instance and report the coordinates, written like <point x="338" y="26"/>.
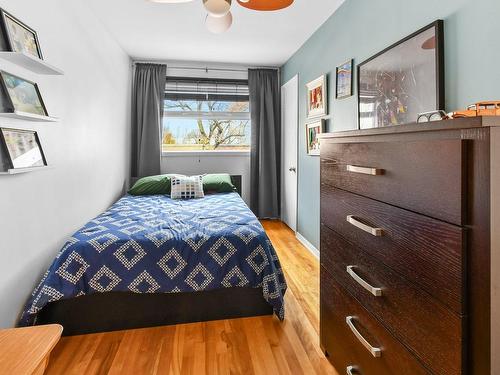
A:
<point x="206" y="69"/>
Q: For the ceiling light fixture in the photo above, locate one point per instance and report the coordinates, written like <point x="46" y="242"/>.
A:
<point x="265" y="5"/>
<point x="218" y="25"/>
<point x="220" y="19"/>
<point x="217" y="8"/>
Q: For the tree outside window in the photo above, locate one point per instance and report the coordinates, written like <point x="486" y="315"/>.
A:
<point x="206" y="125"/>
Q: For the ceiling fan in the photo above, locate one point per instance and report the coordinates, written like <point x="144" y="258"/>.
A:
<point x="219" y="18"/>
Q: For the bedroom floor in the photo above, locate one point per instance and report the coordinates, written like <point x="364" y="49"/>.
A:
<point x="260" y="345"/>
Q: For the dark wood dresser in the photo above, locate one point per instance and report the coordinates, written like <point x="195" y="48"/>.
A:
<point x="407" y="283"/>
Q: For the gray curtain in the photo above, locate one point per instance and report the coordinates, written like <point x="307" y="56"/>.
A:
<point x="265" y="164"/>
<point x="147" y="113"/>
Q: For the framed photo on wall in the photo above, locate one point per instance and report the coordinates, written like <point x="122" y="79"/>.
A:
<point x="317" y="97"/>
<point x="23" y="148"/>
<point x="343" y="73"/>
<point x="18" y="36"/>
<point x="313" y="129"/>
<point x="23" y="95"/>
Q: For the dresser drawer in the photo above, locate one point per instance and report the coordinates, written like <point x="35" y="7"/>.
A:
<point x="344" y="346"/>
<point x="425" y="176"/>
<point x="425" y="251"/>
<point x="433" y="332"/>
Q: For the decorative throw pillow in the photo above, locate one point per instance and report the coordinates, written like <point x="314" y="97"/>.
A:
<point x="187" y="187"/>
<point x="220" y="183"/>
<point x="152" y="185"/>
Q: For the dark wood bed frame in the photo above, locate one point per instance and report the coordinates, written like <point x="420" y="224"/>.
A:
<point x="112" y="311"/>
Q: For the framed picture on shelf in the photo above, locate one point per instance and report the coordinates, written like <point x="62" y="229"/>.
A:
<point x="403" y="80"/>
<point x="23" y="148"/>
<point x="19" y="37"/>
<point x="317" y="97"/>
<point x="313" y="129"/>
<point x="22" y="95"/>
<point x="343" y="87"/>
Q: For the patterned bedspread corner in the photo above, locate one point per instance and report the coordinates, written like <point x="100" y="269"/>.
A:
<point x="154" y="244"/>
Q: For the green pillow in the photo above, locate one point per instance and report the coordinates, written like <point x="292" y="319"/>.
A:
<point x="220" y="183"/>
<point x="152" y="185"/>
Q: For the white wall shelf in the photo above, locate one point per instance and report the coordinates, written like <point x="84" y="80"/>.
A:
<point x="28" y="116"/>
<point x="31" y="63"/>
<point x="24" y="170"/>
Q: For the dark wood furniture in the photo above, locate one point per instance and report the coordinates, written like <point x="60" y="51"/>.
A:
<point x="406" y="248"/>
<point x="113" y="311"/>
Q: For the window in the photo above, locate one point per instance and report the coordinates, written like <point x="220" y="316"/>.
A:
<point x="206" y="115"/>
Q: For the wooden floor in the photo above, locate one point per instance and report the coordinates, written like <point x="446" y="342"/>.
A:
<point x="259" y="345"/>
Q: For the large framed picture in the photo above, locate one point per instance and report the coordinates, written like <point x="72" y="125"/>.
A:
<point x="18" y="36"/>
<point x="317" y="97"/>
<point x="314" y="129"/>
<point x="403" y="80"/>
<point x="22" y="95"/>
<point x="343" y="87"/>
<point x="23" y="148"/>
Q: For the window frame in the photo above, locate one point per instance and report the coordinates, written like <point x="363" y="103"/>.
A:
<point x="207" y="115"/>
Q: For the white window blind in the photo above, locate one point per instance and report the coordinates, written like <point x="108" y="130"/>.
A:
<point x="178" y="88"/>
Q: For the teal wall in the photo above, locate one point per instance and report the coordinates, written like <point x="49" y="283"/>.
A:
<point x="361" y="28"/>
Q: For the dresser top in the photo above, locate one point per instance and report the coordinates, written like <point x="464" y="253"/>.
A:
<point x="460" y="123"/>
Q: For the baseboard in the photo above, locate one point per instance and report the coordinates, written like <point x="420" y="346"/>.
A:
<point x="309" y="246"/>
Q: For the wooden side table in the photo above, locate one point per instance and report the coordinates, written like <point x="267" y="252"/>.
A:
<point x="26" y="351"/>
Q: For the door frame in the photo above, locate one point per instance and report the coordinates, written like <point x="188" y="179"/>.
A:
<point x="283" y="169"/>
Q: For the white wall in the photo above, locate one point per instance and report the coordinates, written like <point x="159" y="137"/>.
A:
<point x="222" y="162"/>
<point x="89" y="148"/>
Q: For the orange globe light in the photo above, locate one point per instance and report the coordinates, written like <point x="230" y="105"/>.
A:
<point x="265" y="5"/>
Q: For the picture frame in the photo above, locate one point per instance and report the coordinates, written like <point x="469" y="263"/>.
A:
<point x="19" y="37"/>
<point x="317" y="97"/>
<point x="23" y="148"/>
<point x="313" y="129"/>
<point x="23" y="96"/>
<point x="344" y="80"/>
<point x="413" y="68"/>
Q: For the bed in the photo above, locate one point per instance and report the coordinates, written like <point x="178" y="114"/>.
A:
<point x="151" y="260"/>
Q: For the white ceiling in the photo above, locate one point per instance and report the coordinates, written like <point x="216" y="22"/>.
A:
<point x="155" y="31"/>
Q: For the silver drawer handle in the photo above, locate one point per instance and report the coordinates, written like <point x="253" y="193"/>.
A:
<point x="376" y="352"/>
<point x="377" y="232"/>
<point x="350" y="370"/>
<point x="377" y="292"/>
<point x="365" y="170"/>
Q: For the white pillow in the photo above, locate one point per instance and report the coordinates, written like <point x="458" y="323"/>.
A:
<point x="184" y="187"/>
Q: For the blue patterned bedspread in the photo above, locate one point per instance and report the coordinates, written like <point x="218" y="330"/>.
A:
<point x="153" y="244"/>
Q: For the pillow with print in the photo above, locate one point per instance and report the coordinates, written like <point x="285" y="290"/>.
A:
<point x="184" y="187"/>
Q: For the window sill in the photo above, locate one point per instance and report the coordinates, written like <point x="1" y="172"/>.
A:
<point x="204" y="153"/>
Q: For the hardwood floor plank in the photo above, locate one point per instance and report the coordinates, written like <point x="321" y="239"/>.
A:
<point x="284" y="358"/>
<point x="248" y="346"/>
<point x="105" y="352"/>
<point x="166" y="363"/>
<point x="238" y="344"/>
<point x="75" y="354"/>
<point x="137" y="352"/>
<point x="211" y="348"/>
<point x="260" y="352"/>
